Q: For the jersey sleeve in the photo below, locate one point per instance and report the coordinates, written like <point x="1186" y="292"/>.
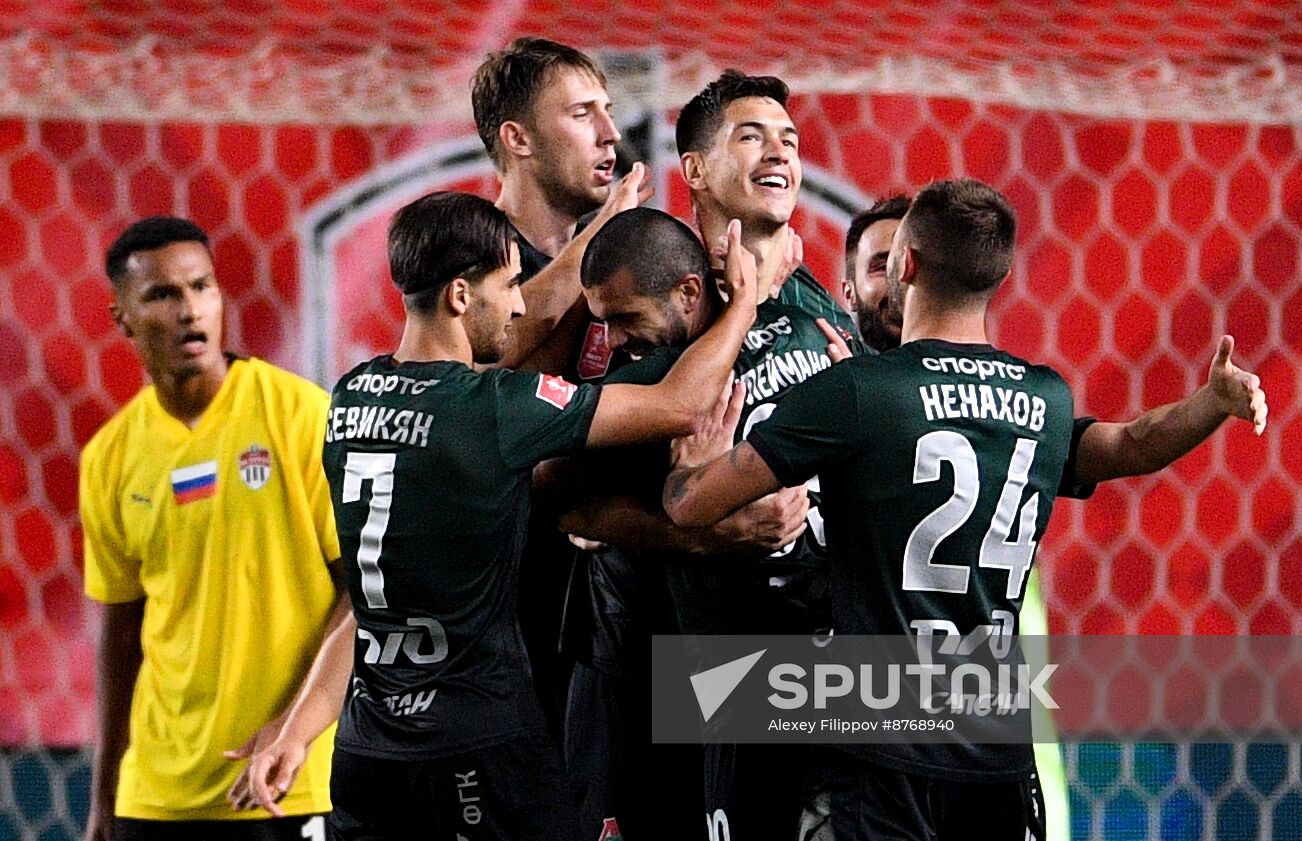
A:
<point x="1069" y="487"/>
<point x="816" y="424"/>
<point x="111" y="575"/>
<point x="540" y="416"/>
<point x="312" y="414"/>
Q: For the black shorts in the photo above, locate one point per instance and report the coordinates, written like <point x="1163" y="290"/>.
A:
<point x="754" y="792"/>
<point x="624" y="785"/>
<point x="857" y="800"/>
<point x="295" y="828"/>
<point x="514" y="791"/>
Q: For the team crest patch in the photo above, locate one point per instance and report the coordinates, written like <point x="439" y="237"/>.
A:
<point x="594" y="359"/>
<point x="255" y="466"/>
<point x="610" y="831"/>
<point x="555" y="391"/>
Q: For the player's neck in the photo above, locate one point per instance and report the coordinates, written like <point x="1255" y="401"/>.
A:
<point x="704" y="315"/>
<point x="927" y="317"/>
<point x="433" y="340"/>
<point x="546" y="226"/>
<point x="769" y="245"/>
<point x="186" y="397"/>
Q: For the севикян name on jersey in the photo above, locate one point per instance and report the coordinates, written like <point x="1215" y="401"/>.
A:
<point x="397" y="426"/>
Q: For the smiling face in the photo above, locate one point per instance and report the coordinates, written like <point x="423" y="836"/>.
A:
<point x="170" y="307"/>
<point x="573" y="140"/>
<point x="751" y="171"/>
<point x="637" y="322"/>
<point x="881" y="317"/>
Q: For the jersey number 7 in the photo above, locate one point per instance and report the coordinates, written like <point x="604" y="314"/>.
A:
<point x="377" y="468"/>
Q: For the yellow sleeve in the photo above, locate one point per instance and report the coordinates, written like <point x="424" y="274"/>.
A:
<point x="309" y="426"/>
<point x="111" y="576"/>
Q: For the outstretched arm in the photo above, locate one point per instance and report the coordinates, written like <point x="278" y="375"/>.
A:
<point x="1158" y="437"/>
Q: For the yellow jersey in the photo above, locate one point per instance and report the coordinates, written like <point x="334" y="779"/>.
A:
<point x="226" y="531"/>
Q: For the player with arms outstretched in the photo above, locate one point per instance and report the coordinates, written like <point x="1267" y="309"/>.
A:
<point x="944" y="450"/>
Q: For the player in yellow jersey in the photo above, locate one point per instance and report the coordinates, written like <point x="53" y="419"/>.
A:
<point x="210" y="539"/>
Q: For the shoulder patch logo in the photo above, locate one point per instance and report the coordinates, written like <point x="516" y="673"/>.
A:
<point x="610" y="831"/>
<point x="594" y="359"/>
<point x="555" y="391"/>
<point x="255" y="466"/>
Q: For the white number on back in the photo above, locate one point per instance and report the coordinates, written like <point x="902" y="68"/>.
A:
<point x="377" y="468"/>
<point x="947" y="446"/>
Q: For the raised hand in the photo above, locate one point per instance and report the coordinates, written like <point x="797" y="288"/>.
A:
<point x="716" y="435"/>
<point x="627" y="193"/>
<point x="740" y="274"/>
<point x="1238" y="392"/>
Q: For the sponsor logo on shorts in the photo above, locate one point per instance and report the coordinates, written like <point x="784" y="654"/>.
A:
<point x="555" y="391"/>
<point x="255" y="466"/>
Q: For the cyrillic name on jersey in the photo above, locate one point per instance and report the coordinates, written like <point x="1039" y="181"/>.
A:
<point x="395" y="426"/>
<point x="951" y="401"/>
<point x="775" y="373"/>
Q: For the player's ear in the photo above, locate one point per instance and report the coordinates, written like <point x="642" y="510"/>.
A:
<point x="514" y="139"/>
<point x="692" y="289"/>
<point x="692" y="165"/>
<point x="119" y="318"/>
<point x="457" y="295"/>
<point x="908" y="265"/>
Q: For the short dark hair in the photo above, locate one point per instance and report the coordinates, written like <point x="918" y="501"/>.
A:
<point x="703" y="115"/>
<point x="891" y="207"/>
<point x="963" y="233"/>
<point x="443" y="236"/>
<point x="657" y="249"/>
<point x="147" y="235"/>
<point x="506" y="83"/>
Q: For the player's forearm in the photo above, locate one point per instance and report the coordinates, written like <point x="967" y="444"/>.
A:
<point x="1150" y="442"/>
<point x="321" y="697"/>
<point x="704" y="495"/>
<point x="118" y="666"/>
<point x="548" y="296"/>
<point x="553" y="346"/>
<point x="630" y="524"/>
<point x="695" y="381"/>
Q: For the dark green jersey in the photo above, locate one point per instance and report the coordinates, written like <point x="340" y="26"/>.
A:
<point x="785" y="592"/>
<point x="939" y="466"/>
<point x="429" y="467"/>
<point x="802" y="290"/>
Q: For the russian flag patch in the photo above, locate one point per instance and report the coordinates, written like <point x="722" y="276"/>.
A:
<point x="198" y="481"/>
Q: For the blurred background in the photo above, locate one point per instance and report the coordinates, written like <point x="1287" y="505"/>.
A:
<point x="1152" y="149"/>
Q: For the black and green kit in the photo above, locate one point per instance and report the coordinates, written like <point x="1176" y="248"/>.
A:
<point x="429" y="467"/>
<point x="939" y="466"/>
